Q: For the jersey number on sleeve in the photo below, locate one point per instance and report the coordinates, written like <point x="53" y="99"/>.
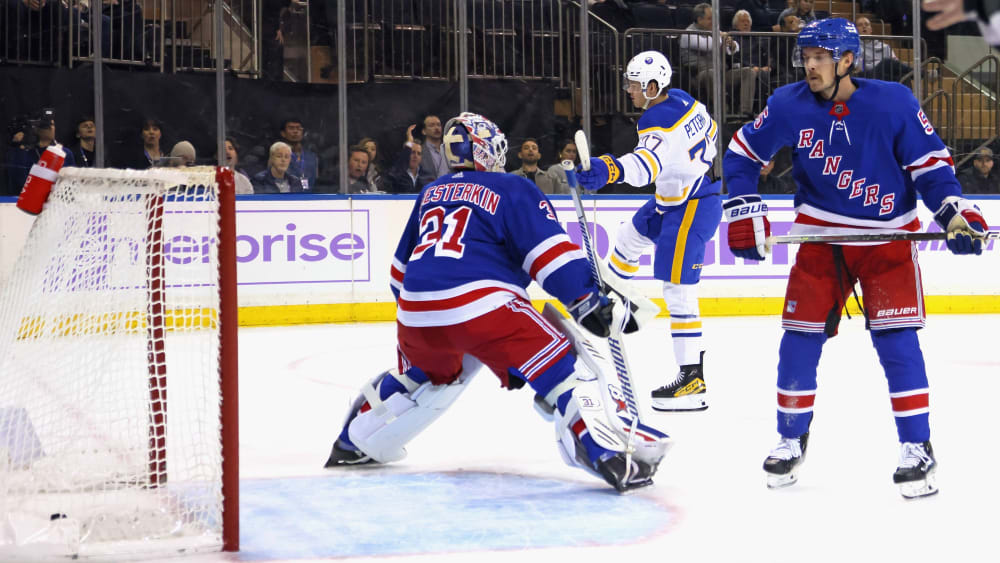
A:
<point x="443" y="232"/>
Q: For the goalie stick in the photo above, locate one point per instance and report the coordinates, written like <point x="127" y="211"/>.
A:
<point x="620" y="314"/>
<point x="862" y="237"/>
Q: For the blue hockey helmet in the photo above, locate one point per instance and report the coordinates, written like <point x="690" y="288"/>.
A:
<point x="473" y="142"/>
<point x="836" y="35"/>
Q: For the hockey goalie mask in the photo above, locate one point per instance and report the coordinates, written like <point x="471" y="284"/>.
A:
<point x="646" y="67"/>
<point x="473" y="142"/>
<point x="836" y="35"/>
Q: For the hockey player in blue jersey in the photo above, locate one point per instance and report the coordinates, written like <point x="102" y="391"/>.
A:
<point x="475" y="239"/>
<point x="862" y="152"/>
<point x="677" y="138"/>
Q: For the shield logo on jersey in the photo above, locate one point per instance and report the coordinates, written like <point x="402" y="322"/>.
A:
<point x="791" y="306"/>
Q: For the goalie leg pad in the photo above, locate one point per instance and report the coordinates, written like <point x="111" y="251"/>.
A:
<point x="599" y="444"/>
<point x="383" y="430"/>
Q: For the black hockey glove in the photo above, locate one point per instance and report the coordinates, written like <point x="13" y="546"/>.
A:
<point x="593" y="312"/>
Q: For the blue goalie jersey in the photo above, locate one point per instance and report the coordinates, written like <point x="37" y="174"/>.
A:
<point x="473" y="242"/>
<point x="858" y="165"/>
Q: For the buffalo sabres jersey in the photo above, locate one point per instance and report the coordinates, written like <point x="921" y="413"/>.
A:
<point x="676" y="148"/>
<point x="858" y="165"/>
<point x="474" y="241"/>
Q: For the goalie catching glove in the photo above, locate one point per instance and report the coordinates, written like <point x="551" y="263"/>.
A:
<point x="748" y="226"/>
<point x="603" y="171"/>
<point x="964" y="224"/>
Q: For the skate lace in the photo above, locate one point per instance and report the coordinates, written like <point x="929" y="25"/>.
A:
<point x="787" y="448"/>
<point x="912" y="455"/>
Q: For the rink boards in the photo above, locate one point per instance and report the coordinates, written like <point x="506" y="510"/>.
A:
<point x="325" y="258"/>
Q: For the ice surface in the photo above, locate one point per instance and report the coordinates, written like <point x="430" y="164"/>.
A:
<point x="485" y="482"/>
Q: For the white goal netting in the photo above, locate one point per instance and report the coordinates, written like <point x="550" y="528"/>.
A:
<point x="109" y="370"/>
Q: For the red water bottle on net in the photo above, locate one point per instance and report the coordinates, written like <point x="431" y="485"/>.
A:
<point x="41" y="178"/>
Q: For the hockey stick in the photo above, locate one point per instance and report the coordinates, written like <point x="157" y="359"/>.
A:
<point x="862" y="237"/>
<point x="620" y="315"/>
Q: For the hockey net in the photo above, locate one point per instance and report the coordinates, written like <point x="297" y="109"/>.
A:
<point x="112" y="415"/>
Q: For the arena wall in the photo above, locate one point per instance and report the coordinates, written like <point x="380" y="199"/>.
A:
<point x="317" y="259"/>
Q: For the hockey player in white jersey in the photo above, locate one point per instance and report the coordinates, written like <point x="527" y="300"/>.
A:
<point x="675" y="152"/>
<point x="863" y="150"/>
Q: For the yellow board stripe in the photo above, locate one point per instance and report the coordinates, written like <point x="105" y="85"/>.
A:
<point x="625" y="267"/>
<point x="130" y="322"/>
<point x="682" y="235"/>
<point x="675" y="125"/>
<point x="286" y="315"/>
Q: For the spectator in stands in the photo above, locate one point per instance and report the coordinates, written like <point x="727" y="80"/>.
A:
<point x="357" y="167"/>
<point x="434" y="163"/>
<point x="152" y="133"/>
<point x="404" y="175"/>
<point x="273" y="13"/>
<point x="27" y="146"/>
<point x="305" y="163"/>
<point x="783" y="70"/>
<point x="83" y="147"/>
<point x="243" y="184"/>
<point x="374" y="174"/>
<point x="772" y="183"/>
<point x="697" y="51"/>
<point x="615" y="12"/>
<point x="567" y="151"/>
<point x="877" y="59"/>
<point x="32" y="28"/>
<point x="803" y="10"/>
<point x="653" y="13"/>
<point x="750" y="66"/>
<point x="276" y="178"/>
<point x="123" y="21"/>
<point x="760" y="14"/>
<point x="183" y="154"/>
<point x="980" y="179"/>
<point x="530" y="155"/>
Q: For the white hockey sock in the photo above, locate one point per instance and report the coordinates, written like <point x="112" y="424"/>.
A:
<point x="685" y="322"/>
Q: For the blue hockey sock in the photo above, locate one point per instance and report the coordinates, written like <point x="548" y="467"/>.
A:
<point x="388" y="385"/>
<point x="545" y="382"/>
<point x="903" y="362"/>
<point x="798" y="357"/>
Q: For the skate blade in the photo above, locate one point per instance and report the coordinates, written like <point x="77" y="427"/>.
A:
<point x="627" y="488"/>
<point x="681" y="404"/>
<point x="918" y="489"/>
<point x="775" y="481"/>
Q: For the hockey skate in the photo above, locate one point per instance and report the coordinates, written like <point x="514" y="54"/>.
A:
<point x="782" y="464"/>
<point x="915" y="474"/>
<point x="686" y="393"/>
<point x="344" y="455"/>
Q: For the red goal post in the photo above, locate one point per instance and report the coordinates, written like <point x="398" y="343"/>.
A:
<point x="118" y="369"/>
